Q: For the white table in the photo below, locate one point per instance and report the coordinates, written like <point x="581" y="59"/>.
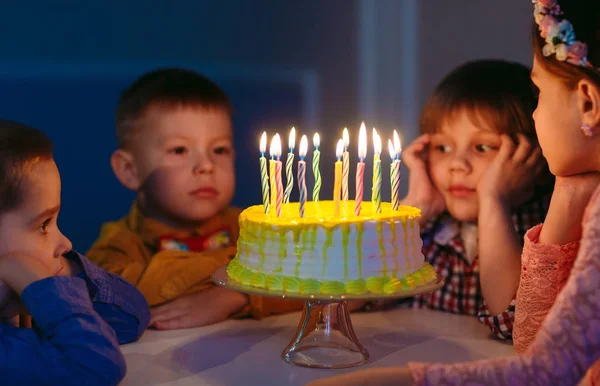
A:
<point x="247" y="352"/>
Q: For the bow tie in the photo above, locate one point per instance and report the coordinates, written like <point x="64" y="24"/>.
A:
<point x="218" y="239"/>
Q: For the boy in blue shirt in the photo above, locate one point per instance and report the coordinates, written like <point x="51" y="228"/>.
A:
<point x="80" y="313"/>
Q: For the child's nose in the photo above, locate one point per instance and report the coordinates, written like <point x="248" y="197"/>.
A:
<point x="64" y="246"/>
<point x="460" y="163"/>
<point x="204" y="164"/>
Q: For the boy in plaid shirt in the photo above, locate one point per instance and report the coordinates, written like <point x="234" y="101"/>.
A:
<point x="481" y="182"/>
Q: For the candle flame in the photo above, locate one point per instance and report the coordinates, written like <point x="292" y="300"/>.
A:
<point x="292" y="140"/>
<point x="276" y="146"/>
<point x="317" y="140"/>
<point x="346" y="138"/>
<point x="362" y="142"/>
<point x="376" y="142"/>
<point x="303" y="146"/>
<point x="397" y="144"/>
<point x="339" y="150"/>
<point x="392" y="150"/>
<point x="263" y="142"/>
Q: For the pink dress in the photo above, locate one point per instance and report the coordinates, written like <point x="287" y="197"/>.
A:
<point x="567" y="343"/>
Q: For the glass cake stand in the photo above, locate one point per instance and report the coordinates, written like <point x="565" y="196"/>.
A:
<point x="325" y="337"/>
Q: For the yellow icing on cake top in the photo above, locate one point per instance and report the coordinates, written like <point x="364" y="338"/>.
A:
<point x="322" y="213"/>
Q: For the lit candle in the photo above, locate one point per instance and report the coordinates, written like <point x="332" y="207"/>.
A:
<point x="273" y="181"/>
<point x="345" y="165"/>
<point x="302" y="173"/>
<point x="376" y="191"/>
<point x="397" y="146"/>
<point x="394" y="175"/>
<point x="264" y="178"/>
<point x="375" y="158"/>
<point x="360" y="168"/>
<point x="278" y="174"/>
<point x="315" y="167"/>
<point x="288" y="166"/>
<point x="337" y="185"/>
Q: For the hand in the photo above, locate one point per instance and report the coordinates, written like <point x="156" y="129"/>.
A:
<point x="19" y="271"/>
<point x="199" y="309"/>
<point x="392" y="376"/>
<point x="510" y="177"/>
<point x="421" y="191"/>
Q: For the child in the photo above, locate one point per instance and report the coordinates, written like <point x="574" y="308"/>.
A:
<point x="566" y="70"/>
<point x="176" y="151"/>
<point x="477" y="160"/>
<point x="80" y="313"/>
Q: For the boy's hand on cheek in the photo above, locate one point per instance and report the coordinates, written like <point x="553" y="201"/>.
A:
<point x="199" y="309"/>
<point x="510" y="177"/>
<point x="421" y="191"/>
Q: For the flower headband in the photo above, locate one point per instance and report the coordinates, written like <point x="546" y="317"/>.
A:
<point x="559" y="35"/>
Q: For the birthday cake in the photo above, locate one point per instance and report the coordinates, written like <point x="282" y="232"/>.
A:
<point x="324" y="253"/>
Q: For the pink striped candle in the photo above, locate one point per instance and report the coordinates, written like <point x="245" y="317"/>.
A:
<point x="360" y="168"/>
<point x="279" y="197"/>
<point x="302" y="173"/>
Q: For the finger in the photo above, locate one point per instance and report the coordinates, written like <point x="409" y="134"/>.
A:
<point x="524" y="149"/>
<point x="182" y="321"/>
<point x="507" y="148"/>
<point x="534" y="158"/>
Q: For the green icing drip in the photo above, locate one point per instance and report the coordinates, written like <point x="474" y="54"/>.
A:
<point x="345" y="235"/>
<point x="309" y="286"/>
<point x="359" y="236"/>
<point x="326" y="245"/>
<point x="356" y="287"/>
<point x="394" y="245"/>
<point x="419" y="280"/>
<point x="291" y="284"/>
<point x="408" y="282"/>
<point x="332" y="287"/>
<point x="297" y="251"/>
<point x="392" y="285"/>
<point x="261" y="247"/>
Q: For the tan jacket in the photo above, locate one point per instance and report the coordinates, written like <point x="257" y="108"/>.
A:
<point x="130" y="248"/>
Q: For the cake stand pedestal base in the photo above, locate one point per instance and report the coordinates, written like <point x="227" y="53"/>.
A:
<point x="325" y="338"/>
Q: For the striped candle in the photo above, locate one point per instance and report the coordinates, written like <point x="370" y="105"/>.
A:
<point x="337" y="185"/>
<point x="398" y="152"/>
<point x="315" y="168"/>
<point x="264" y="178"/>
<point x="273" y="181"/>
<point x="394" y="176"/>
<point x="279" y="195"/>
<point x="360" y="168"/>
<point x="376" y="192"/>
<point x="289" y="162"/>
<point x="345" y="165"/>
<point x="302" y="173"/>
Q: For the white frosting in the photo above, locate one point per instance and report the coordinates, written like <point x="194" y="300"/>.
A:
<point x="329" y="254"/>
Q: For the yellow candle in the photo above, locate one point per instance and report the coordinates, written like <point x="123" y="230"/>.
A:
<point x="337" y="185"/>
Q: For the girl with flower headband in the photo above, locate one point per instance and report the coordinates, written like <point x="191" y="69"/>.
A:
<point x="558" y="325"/>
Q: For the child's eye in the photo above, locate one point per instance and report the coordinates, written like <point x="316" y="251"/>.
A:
<point x="443" y="148"/>
<point x="44" y="225"/>
<point x="222" y="150"/>
<point x="481" y="148"/>
<point x="179" y="150"/>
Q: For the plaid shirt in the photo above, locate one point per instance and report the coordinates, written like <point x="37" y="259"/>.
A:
<point x="444" y="249"/>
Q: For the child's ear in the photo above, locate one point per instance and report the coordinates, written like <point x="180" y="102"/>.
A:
<point x="589" y="103"/>
<point x="124" y="168"/>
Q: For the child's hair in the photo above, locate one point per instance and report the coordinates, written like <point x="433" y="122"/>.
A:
<point x="21" y="147"/>
<point x="584" y="16"/>
<point x="496" y="92"/>
<point x="165" y="88"/>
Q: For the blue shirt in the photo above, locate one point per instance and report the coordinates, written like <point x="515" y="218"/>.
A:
<point x="78" y="325"/>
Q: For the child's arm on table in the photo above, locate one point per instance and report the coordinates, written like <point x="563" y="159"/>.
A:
<point x="119" y="303"/>
<point x="508" y="182"/>
<point x="72" y="345"/>
<point x="421" y="191"/>
<point x="549" y="254"/>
